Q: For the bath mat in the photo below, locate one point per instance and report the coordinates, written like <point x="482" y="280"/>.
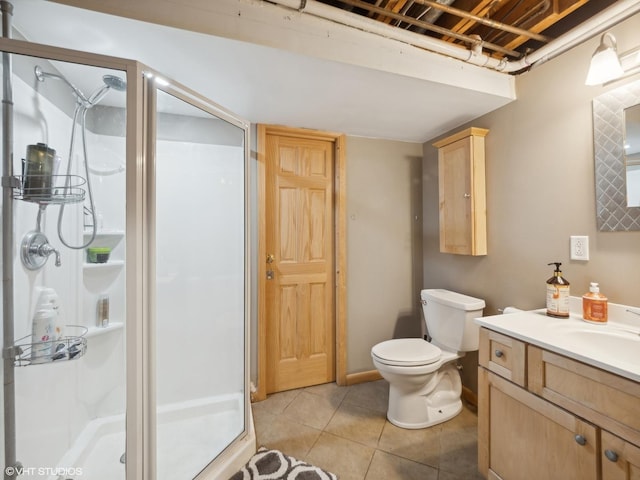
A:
<point x="274" y="465"/>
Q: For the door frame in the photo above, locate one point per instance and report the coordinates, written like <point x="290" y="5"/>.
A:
<point x="340" y="250"/>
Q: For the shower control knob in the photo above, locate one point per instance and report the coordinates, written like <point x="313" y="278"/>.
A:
<point x="36" y="249"/>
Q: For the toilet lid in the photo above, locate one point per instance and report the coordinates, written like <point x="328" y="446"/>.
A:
<point x="406" y="351"/>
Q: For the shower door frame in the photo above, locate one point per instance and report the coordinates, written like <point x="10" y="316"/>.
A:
<point x="233" y="460"/>
<point x="134" y="238"/>
<point x="139" y="264"/>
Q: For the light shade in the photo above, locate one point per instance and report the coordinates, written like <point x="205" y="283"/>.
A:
<point x="605" y="64"/>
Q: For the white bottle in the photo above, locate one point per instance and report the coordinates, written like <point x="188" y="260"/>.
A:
<point x="42" y="331"/>
<point x="49" y="299"/>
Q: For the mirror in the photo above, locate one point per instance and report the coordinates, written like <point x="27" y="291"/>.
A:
<point x="632" y="154"/>
<point x="616" y="124"/>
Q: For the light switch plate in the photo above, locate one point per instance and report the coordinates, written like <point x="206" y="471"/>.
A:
<point x="579" y="247"/>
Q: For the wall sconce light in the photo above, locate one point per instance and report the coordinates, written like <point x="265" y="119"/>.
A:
<point x="607" y="66"/>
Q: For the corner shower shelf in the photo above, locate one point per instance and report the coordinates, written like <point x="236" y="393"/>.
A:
<point x="68" y="347"/>
<point x="111" y="264"/>
<point x="97" y="331"/>
<point x="62" y="189"/>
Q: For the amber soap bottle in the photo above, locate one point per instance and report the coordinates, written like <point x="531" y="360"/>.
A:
<point x="557" y="294"/>
<point x="594" y="305"/>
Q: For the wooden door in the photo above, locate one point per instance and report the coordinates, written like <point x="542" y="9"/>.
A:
<point x="300" y="271"/>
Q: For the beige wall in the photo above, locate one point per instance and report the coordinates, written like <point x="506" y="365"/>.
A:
<point x="540" y="191"/>
<point x="384" y="248"/>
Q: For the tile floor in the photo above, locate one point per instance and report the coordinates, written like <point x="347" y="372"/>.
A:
<point x="345" y="431"/>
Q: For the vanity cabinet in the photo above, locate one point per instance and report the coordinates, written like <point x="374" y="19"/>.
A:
<point x="461" y="185"/>
<point x="543" y="415"/>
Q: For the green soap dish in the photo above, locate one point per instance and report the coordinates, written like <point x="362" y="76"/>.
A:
<point x="98" y="254"/>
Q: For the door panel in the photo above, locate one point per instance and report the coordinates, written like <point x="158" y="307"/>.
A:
<point x="299" y="234"/>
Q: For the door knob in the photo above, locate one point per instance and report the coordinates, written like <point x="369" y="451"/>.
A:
<point x="270" y="258"/>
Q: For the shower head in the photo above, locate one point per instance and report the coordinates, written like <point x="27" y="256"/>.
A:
<point x="115" y="82"/>
<point x="110" y="82"/>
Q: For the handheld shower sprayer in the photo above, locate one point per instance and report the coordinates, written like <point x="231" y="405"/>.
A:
<point x="84" y="103"/>
<point x="110" y="82"/>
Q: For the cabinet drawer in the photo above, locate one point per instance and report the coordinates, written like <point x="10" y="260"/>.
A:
<point x="608" y="400"/>
<point x="503" y="355"/>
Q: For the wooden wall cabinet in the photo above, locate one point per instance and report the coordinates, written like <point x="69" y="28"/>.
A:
<point x="543" y="415"/>
<point x="461" y="185"/>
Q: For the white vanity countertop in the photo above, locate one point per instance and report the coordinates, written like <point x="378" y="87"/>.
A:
<point x="614" y="347"/>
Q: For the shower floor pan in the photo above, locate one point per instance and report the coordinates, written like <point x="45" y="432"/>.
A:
<point x="190" y="435"/>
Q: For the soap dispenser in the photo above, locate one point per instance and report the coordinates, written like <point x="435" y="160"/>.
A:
<point x="557" y="294"/>
<point x="594" y="305"/>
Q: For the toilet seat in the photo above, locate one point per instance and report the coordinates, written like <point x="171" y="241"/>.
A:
<point x="406" y="352"/>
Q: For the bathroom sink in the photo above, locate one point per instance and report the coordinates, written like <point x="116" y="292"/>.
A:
<point x="606" y="340"/>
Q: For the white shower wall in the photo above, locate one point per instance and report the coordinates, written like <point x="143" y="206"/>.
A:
<point x="54" y="402"/>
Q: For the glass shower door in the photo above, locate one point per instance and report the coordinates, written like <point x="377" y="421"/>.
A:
<point x="199" y="330"/>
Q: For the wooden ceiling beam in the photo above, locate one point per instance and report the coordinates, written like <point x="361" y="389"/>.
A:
<point x="526" y="16"/>
<point x="394" y="6"/>
<point x="560" y="9"/>
<point x="481" y="8"/>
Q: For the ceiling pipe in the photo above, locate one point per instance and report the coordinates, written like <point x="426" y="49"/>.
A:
<point x="429" y="26"/>
<point x="483" y="20"/>
<point x="321" y="10"/>
<point x="612" y="15"/>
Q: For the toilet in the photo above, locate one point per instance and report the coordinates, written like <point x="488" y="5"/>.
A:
<point x="424" y="383"/>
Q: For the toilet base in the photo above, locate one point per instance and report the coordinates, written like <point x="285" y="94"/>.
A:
<point x="434" y="415"/>
<point x="433" y="403"/>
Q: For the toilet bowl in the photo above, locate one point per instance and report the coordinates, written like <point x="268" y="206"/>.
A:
<point x="424" y="383"/>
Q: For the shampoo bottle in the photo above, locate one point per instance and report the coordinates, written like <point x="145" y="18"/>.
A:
<point x="557" y="294"/>
<point x="48" y="299"/>
<point x="594" y="305"/>
<point x="42" y="335"/>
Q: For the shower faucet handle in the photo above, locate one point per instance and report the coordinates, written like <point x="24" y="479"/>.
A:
<point x="46" y="249"/>
<point x="36" y="249"/>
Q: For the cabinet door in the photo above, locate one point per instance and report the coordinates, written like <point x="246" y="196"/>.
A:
<point x="527" y="437"/>
<point x="620" y="459"/>
<point x="454" y="172"/>
<point x="461" y="177"/>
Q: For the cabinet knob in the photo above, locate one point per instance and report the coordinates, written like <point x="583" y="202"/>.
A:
<point x="611" y="455"/>
<point x="580" y="440"/>
<point x="499" y="353"/>
<point x="467" y="195"/>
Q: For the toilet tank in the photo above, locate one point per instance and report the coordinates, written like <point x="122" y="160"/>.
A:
<point x="449" y="318"/>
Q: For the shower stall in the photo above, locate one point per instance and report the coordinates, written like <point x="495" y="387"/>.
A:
<point x="125" y="273"/>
